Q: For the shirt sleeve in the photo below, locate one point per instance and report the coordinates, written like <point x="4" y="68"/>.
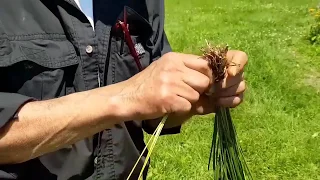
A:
<point x="161" y="46"/>
<point x="9" y="105"/>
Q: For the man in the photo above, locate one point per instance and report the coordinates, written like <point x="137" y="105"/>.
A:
<point x="73" y="102"/>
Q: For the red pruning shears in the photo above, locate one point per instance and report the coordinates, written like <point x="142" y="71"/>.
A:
<point x="125" y="28"/>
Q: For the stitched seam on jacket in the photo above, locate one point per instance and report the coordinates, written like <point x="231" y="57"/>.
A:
<point x="27" y="37"/>
<point x="45" y="63"/>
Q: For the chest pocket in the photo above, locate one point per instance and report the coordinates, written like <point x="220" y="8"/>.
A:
<point x="39" y="68"/>
<point x="122" y="65"/>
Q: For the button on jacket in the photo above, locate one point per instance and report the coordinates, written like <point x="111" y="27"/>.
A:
<point x="49" y="49"/>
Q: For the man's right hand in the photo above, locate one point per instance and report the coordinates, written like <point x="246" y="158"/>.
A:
<point x="169" y="85"/>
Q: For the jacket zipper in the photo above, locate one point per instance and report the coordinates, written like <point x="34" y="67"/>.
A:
<point x="99" y="81"/>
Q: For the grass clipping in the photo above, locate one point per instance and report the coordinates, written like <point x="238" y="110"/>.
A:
<point x="226" y="154"/>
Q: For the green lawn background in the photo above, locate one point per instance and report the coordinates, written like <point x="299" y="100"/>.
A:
<point x="278" y="124"/>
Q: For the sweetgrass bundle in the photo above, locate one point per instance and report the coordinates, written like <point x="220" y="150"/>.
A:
<point x="226" y="154"/>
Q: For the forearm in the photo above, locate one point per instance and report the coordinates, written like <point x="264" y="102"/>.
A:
<point x="46" y="126"/>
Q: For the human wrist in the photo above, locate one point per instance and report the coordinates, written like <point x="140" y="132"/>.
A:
<point x="126" y="107"/>
<point x="119" y="102"/>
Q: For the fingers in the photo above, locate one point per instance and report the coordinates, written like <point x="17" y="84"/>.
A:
<point x="230" y="102"/>
<point x="197" y="77"/>
<point x="194" y="62"/>
<point x="187" y="92"/>
<point x="207" y="105"/>
<point x="237" y="60"/>
<point x="196" y="80"/>
<point x="226" y="83"/>
<point x="232" y="91"/>
<point x="199" y="65"/>
<point x="181" y="106"/>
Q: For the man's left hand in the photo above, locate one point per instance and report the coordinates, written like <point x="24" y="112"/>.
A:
<point x="229" y="91"/>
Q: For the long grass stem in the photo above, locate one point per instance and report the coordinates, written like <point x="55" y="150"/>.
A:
<point x="226" y="154"/>
<point x="153" y="140"/>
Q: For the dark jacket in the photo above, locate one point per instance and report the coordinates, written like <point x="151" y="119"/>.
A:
<point x="48" y="49"/>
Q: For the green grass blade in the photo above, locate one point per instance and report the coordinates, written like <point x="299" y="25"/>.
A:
<point x="228" y="160"/>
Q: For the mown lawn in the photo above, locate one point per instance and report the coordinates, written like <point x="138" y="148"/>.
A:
<point x="278" y="124"/>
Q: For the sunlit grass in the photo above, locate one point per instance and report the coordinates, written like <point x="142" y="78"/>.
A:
<point x="278" y="124"/>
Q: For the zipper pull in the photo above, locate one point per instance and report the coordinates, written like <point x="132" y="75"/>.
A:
<point x="99" y="81"/>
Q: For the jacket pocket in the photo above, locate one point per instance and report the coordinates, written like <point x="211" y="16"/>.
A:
<point x="38" y="68"/>
<point x="122" y="63"/>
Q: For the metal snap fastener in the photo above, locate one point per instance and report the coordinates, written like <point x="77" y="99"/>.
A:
<point x="89" y="49"/>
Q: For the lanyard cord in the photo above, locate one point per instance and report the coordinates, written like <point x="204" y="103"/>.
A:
<point x="128" y="39"/>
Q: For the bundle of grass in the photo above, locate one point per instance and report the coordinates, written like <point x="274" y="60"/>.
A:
<point x="226" y="154"/>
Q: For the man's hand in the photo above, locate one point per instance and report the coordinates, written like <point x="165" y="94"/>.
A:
<point x="171" y="84"/>
<point x="178" y="84"/>
<point x="227" y="93"/>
